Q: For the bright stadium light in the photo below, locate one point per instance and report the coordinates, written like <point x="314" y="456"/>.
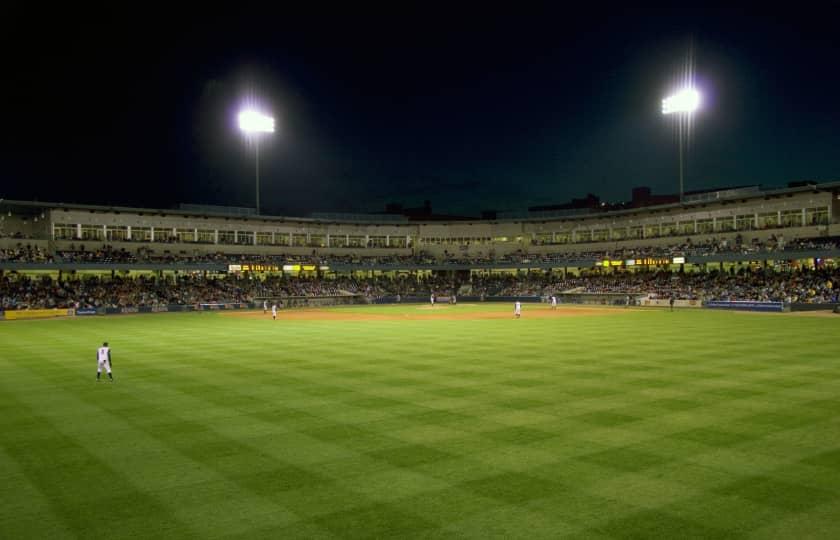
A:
<point x="685" y="101"/>
<point x="683" y="105"/>
<point x="253" y="123"/>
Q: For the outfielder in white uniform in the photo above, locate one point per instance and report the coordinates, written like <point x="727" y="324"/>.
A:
<point x="103" y="360"/>
<point x="517" y="309"/>
<point x="274" y="311"/>
<point x="265" y="307"/>
<point x="553" y="302"/>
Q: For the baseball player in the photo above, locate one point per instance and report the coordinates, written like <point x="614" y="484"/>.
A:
<point x="553" y="302"/>
<point x="274" y="311"/>
<point x="265" y="307"/>
<point x="432" y="298"/>
<point x="517" y="309"/>
<point x="103" y="359"/>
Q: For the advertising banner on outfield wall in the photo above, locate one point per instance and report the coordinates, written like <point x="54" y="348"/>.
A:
<point x="2" y="314"/>
<point x="745" y="305"/>
<point x="82" y="312"/>
<point x="37" y="313"/>
<point x="665" y="302"/>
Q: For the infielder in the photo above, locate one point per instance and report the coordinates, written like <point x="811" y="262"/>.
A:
<point x="517" y="309"/>
<point x="103" y="359"/>
<point x="553" y="302"/>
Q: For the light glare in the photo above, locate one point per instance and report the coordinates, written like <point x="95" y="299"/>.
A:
<point x="687" y="101"/>
<point x="254" y="122"/>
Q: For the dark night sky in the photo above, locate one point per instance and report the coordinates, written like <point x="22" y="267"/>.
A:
<point x="471" y="108"/>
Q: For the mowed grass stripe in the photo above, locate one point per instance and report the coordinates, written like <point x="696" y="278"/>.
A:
<point x="351" y="428"/>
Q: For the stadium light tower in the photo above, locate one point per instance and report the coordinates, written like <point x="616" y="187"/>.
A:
<point x="683" y="104"/>
<point x="254" y="124"/>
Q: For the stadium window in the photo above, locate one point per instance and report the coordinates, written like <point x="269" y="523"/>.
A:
<point x="141" y="234"/>
<point x="600" y="235"/>
<point x="338" y="241"/>
<point x="317" y="240"/>
<point x="92" y="232"/>
<point x="64" y="232"/>
<point x="768" y="220"/>
<point x="583" y="236"/>
<point x="185" y="235"/>
<point x="245" y="237"/>
<point x="281" y="239"/>
<point x="397" y="241"/>
<point x="227" y="237"/>
<point x="745" y="222"/>
<point x="686" y="227"/>
<point x="792" y="218"/>
<point x="618" y="233"/>
<point x="705" y="226"/>
<point x="562" y="237"/>
<point x="816" y="216"/>
<point x="725" y="224"/>
<point x="116" y="233"/>
<point x="299" y="240"/>
<point x="652" y="231"/>
<point x="635" y="232"/>
<point x="162" y="235"/>
<point x="357" y="241"/>
<point x="264" y="238"/>
<point x="205" y="236"/>
<point x="377" y="241"/>
<point x="543" y="238"/>
<point x="669" y="229"/>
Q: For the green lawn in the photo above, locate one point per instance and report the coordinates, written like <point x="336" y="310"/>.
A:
<point x="642" y="424"/>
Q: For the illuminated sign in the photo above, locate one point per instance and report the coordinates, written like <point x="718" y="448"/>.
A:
<point x="308" y="267"/>
<point x="651" y="261"/>
<point x="679" y="260"/>
<point x="260" y="268"/>
<point x="647" y="261"/>
<point x="291" y="268"/>
<point x="253" y="268"/>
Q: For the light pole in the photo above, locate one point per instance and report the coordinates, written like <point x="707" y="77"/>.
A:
<point x="253" y="123"/>
<point x="683" y="104"/>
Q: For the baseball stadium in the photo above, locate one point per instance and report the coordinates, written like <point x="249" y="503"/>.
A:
<point x="420" y="271"/>
<point x="683" y="382"/>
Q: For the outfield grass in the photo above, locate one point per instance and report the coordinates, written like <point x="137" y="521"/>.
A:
<point x="642" y="424"/>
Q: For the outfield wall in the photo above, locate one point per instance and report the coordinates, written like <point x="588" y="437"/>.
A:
<point x="20" y="314"/>
<point x="745" y="305"/>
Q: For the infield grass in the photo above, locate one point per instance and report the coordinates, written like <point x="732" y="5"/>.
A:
<point x="638" y="424"/>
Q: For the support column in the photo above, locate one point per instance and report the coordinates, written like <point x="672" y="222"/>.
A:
<point x="128" y="233"/>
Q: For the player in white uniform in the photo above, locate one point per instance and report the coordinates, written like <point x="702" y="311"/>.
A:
<point x="433" y="299"/>
<point x="553" y="302"/>
<point x="517" y="309"/>
<point x="274" y="311"/>
<point x="265" y="307"/>
<point x="103" y="360"/>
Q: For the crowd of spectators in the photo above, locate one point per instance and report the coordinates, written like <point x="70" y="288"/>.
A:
<point x="105" y="254"/>
<point x="23" y="292"/>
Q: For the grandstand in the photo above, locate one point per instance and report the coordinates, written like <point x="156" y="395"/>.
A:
<point x="725" y="232"/>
